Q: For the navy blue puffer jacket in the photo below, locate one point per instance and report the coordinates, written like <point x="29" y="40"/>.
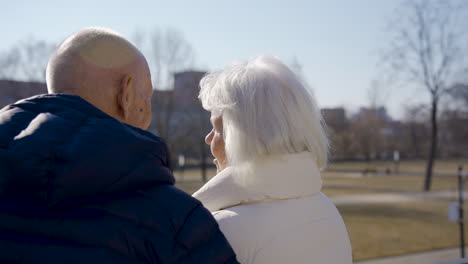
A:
<point x="77" y="186"/>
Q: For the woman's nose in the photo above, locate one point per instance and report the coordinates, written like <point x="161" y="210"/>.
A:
<point x="209" y="137"/>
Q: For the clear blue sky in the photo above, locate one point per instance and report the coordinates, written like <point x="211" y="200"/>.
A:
<point x="337" y="42"/>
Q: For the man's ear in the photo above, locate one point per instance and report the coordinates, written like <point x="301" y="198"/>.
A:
<point x="124" y="96"/>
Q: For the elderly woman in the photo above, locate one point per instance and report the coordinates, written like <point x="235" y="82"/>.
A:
<point x="269" y="145"/>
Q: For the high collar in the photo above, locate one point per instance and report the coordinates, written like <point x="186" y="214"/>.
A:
<point x="276" y="178"/>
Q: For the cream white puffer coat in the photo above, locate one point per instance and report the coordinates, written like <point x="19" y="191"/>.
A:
<point x="277" y="214"/>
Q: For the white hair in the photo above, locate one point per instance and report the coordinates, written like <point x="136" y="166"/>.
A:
<point x="266" y="110"/>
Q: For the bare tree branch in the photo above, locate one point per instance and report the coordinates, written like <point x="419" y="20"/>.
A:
<point x="167" y="52"/>
<point x="26" y="61"/>
<point x="426" y="48"/>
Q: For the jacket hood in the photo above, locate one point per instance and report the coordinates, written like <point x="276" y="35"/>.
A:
<point x="59" y="148"/>
<point x="276" y="178"/>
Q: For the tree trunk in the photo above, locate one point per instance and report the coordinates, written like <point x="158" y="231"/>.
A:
<point x="433" y="147"/>
<point x="416" y="146"/>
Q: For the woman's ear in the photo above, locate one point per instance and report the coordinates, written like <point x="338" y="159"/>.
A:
<point x="124" y="96"/>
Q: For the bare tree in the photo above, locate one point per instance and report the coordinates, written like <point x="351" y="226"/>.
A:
<point x="338" y="128"/>
<point x="167" y="52"/>
<point x="459" y="95"/>
<point x="26" y="61"/>
<point x="178" y="116"/>
<point x="426" y="51"/>
<point x="415" y="130"/>
<point x="455" y="121"/>
<point x="376" y="94"/>
<point x="297" y="68"/>
<point x="367" y="131"/>
<point x="378" y="120"/>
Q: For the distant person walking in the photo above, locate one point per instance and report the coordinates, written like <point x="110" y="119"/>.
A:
<point x="269" y="145"/>
<point x="82" y="182"/>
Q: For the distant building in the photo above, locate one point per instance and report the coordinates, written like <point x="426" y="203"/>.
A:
<point x="179" y="117"/>
<point x="379" y="112"/>
<point x="335" y="118"/>
<point x="12" y="91"/>
<point x="183" y="94"/>
<point x="186" y="88"/>
<point x="172" y="108"/>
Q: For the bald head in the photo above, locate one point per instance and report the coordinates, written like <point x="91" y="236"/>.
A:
<point x="105" y="69"/>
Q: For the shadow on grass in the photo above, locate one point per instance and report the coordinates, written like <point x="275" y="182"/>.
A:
<point x="389" y="211"/>
<point x="362" y="188"/>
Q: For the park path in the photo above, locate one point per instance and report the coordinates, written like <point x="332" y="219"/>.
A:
<point x="373" y="198"/>
<point x="443" y="256"/>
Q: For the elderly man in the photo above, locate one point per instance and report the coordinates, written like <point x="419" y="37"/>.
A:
<point x="82" y="182"/>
